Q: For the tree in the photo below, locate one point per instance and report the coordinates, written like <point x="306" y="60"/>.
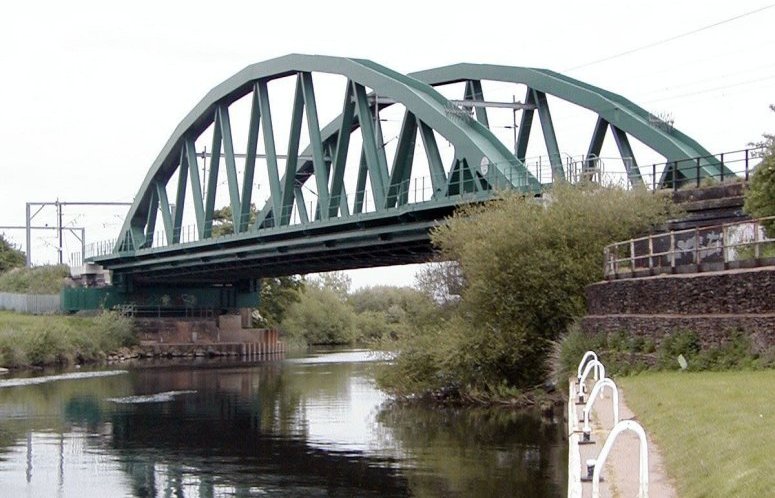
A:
<point x="320" y="316"/>
<point x="222" y="220"/>
<point x="336" y="281"/>
<point x="525" y="264"/>
<point x="442" y="281"/>
<point x="760" y="196"/>
<point x="276" y="296"/>
<point x="10" y="257"/>
<point x="386" y="312"/>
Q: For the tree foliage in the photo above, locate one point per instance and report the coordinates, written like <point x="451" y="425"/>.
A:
<point x="760" y="196"/>
<point x="276" y="296"/>
<point x="336" y="281"/>
<point x="525" y="264"/>
<point x="442" y="281"/>
<point x="386" y="312"/>
<point x="10" y="257"/>
<point x="320" y="316"/>
<point x="223" y="223"/>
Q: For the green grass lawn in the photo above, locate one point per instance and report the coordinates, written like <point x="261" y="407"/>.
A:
<point x="716" y="430"/>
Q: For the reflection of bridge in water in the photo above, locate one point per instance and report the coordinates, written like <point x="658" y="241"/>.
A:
<point x="241" y="433"/>
<point x="281" y="428"/>
<point x="353" y="196"/>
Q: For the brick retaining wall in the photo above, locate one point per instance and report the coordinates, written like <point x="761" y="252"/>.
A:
<point x="709" y="304"/>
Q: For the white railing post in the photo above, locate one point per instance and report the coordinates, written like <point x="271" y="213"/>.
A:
<point x="624" y="425"/>
<point x="599" y="371"/>
<point x="589" y="355"/>
<point x="599" y="385"/>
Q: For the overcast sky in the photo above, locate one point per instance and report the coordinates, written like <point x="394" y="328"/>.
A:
<point x="91" y="91"/>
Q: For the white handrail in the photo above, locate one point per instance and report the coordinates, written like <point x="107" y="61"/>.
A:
<point x="588" y="356"/>
<point x="599" y="371"/>
<point x="582" y="363"/>
<point x="599" y="385"/>
<point x="624" y="425"/>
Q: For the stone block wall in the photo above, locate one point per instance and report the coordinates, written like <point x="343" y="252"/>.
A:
<point x="176" y="330"/>
<point x="710" y="304"/>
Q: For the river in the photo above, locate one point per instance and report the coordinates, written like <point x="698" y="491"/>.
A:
<point x="313" y="425"/>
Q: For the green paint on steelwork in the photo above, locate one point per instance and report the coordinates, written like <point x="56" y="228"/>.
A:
<point x="480" y="166"/>
<point x="160" y="297"/>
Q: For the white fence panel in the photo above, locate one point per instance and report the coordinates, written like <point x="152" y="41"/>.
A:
<point x="35" y="304"/>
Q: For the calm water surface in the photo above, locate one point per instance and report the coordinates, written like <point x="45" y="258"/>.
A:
<point x="307" y="426"/>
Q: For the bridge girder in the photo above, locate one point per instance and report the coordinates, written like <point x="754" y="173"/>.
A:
<point x="613" y="110"/>
<point x="427" y="111"/>
<point x="333" y="231"/>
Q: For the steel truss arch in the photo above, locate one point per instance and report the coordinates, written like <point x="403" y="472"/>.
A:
<point x="683" y="154"/>
<point x="427" y="112"/>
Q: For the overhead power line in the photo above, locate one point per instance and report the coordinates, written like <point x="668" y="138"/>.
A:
<point x="672" y="38"/>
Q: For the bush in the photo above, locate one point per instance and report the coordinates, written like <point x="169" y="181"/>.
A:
<point x="10" y="257"/>
<point x="36" y="280"/>
<point x="760" y="196"/>
<point x="525" y="264"/>
<point x="624" y="354"/>
<point x="320" y="316"/>
<point x="59" y="340"/>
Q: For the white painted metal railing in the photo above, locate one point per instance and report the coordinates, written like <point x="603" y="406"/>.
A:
<point x="599" y="385"/>
<point x="643" y="472"/>
<point x="599" y="369"/>
<point x="578" y="436"/>
<point x="589" y="355"/>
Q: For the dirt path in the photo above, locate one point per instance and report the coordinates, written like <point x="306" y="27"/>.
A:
<point x="620" y="473"/>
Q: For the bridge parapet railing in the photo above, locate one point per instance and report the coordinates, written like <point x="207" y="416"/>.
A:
<point x="481" y="179"/>
<point x="730" y="245"/>
<point x="406" y="194"/>
<point x="737" y="166"/>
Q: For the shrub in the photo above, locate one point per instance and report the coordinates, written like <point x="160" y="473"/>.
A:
<point x="525" y="264"/>
<point x="35" y="280"/>
<point x="760" y="196"/>
<point x="320" y="316"/>
<point x="57" y="340"/>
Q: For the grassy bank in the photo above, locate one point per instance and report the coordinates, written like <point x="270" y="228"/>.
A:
<point x="714" y="428"/>
<point x="36" y="280"/>
<point x="27" y="340"/>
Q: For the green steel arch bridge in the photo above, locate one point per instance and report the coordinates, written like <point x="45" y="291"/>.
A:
<point x="350" y="198"/>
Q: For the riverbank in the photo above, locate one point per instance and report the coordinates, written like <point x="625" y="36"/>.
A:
<point x="620" y="472"/>
<point x="714" y="428"/>
<point x="53" y="340"/>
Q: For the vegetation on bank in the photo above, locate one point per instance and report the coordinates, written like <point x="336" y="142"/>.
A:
<point x="10" y="257"/>
<point x="714" y="429"/>
<point x="327" y="312"/>
<point x="523" y="265"/>
<point x="625" y="354"/>
<point x="27" y="340"/>
<point x="760" y="195"/>
<point x="47" y="279"/>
